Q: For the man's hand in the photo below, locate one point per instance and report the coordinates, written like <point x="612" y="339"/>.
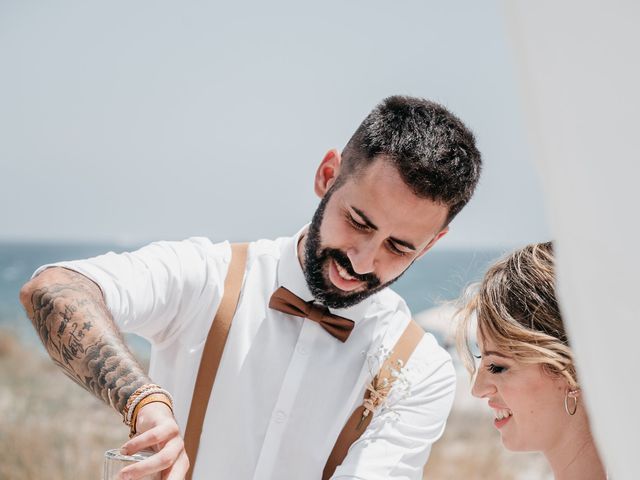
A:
<point x="157" y="431"/>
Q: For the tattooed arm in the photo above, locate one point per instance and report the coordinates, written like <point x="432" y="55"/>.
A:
<point x="71" y="317"/>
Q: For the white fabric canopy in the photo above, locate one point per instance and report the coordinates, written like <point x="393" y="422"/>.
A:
<point x="580" y="76"/>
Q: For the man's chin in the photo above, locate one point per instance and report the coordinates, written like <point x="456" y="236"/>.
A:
<point x="347" y="295"/>
<point x="333" y="297"/>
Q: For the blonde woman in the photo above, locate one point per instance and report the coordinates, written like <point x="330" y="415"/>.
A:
<point x="526" y="371"/>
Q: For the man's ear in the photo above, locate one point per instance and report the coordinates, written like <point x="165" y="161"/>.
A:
<point x="327" y="172"/>
<point x="433" y="241"/>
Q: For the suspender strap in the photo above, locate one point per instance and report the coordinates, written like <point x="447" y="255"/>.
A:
<point x="212" y="353"/>
<point x="357" y="424"/>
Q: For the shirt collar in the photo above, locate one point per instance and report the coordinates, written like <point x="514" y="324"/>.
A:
<point x="291" y="276"/>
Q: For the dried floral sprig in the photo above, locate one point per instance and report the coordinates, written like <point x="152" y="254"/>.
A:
<point x="381" y="384"/>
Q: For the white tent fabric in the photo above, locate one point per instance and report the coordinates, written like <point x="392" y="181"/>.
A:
<point x="580" y="75"/>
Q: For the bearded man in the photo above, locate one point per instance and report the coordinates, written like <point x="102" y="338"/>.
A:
<point x="285" y="385"/>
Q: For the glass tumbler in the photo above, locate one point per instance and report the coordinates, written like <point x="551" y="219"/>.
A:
<point x="114" y="461"/>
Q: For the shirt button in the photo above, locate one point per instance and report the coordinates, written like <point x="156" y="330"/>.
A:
<point x="280" y="416"/>
<point x="302" y="350"/>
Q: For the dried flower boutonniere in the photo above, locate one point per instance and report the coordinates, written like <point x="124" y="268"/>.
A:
<point x="385" y="374"/>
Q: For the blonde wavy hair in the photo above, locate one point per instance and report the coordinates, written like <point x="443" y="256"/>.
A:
<point x="515" y="306"/>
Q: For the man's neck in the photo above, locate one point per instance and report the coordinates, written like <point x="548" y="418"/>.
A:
<point x="302" y="241"/>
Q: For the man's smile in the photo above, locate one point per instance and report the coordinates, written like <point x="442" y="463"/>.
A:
<point x="341" y="279"/>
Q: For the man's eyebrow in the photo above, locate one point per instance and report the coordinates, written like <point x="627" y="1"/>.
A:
<point x="373" y="226"/>
<point x="403" y="243"/>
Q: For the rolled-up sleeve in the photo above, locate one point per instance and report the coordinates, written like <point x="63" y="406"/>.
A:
<point x="151" y="291"/>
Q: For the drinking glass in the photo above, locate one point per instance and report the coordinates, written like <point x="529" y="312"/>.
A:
<point x="114" y="461"/>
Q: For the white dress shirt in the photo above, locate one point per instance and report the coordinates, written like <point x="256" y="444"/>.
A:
<point x="285" y="387"/>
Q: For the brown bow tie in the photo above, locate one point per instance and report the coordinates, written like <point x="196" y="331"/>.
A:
<point x="285" y="301"/>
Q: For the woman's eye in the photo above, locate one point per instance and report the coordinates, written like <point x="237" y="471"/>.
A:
<point x="493" y="368"/>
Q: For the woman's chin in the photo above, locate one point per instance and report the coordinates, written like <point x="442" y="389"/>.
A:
<point x="514" y="446"/>
<point x="510" y="448"/>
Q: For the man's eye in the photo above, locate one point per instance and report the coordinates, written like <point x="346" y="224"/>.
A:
<point x="355" y="224"/>
<point x="395" y="250"/>
<point x="493" y="368"/>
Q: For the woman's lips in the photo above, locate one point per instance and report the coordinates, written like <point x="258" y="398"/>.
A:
<point x="341" y="278"/>
<point x="502" y="415"/>
<point x="502" y="422"/>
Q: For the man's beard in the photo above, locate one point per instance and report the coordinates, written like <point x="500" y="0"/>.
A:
<point x="316" y="261"/>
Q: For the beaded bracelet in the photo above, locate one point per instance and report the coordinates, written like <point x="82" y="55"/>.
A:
<point x="126" y="415"/>
<point x="142" y="396"/>
<point x="152" y="398"/>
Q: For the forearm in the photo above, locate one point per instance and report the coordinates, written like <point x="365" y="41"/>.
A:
<point x="70" y="315"/>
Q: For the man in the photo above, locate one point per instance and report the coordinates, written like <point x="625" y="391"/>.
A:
<point x="285" y="387"/>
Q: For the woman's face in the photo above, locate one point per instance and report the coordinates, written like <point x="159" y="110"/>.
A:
<point x="528" y="402"/>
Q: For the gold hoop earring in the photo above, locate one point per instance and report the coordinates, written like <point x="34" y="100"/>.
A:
<point x="573" y="395"/>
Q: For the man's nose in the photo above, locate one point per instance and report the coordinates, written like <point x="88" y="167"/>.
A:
<point x="482" y="384"/>
<point x="363" y="257"/>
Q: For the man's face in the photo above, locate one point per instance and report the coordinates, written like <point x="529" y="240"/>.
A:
<point x="366" y="233"/>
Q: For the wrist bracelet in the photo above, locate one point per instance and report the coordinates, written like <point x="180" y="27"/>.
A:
<point x="141" y="397"/>
<point x="126" y="411"/>
<point x="160" y="397"/>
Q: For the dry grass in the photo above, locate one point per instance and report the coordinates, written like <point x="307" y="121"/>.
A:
<point x="52" y="429"/>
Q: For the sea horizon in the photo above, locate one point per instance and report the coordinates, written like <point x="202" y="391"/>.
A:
<point x="438" y="277"/>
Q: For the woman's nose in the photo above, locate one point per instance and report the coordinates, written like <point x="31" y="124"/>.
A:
<point x="482" y="384"/>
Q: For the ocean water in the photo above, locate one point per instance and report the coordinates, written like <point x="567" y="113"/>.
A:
<point x="438" y="276"/>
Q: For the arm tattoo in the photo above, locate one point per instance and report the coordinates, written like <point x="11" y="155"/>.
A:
<point x="77" y="330"/>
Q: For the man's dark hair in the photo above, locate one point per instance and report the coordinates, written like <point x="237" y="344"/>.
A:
<point x="433" y="151"/>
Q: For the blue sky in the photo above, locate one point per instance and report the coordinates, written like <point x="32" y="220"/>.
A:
<point x="136" y="121"/>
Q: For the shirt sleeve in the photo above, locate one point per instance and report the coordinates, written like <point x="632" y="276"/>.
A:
<point x="157" y="290"/>
<point x="397" y="442"/>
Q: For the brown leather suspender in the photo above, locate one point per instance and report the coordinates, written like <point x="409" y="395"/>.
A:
<point x="212" y="354"/>
<point x="357" y="424"/>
